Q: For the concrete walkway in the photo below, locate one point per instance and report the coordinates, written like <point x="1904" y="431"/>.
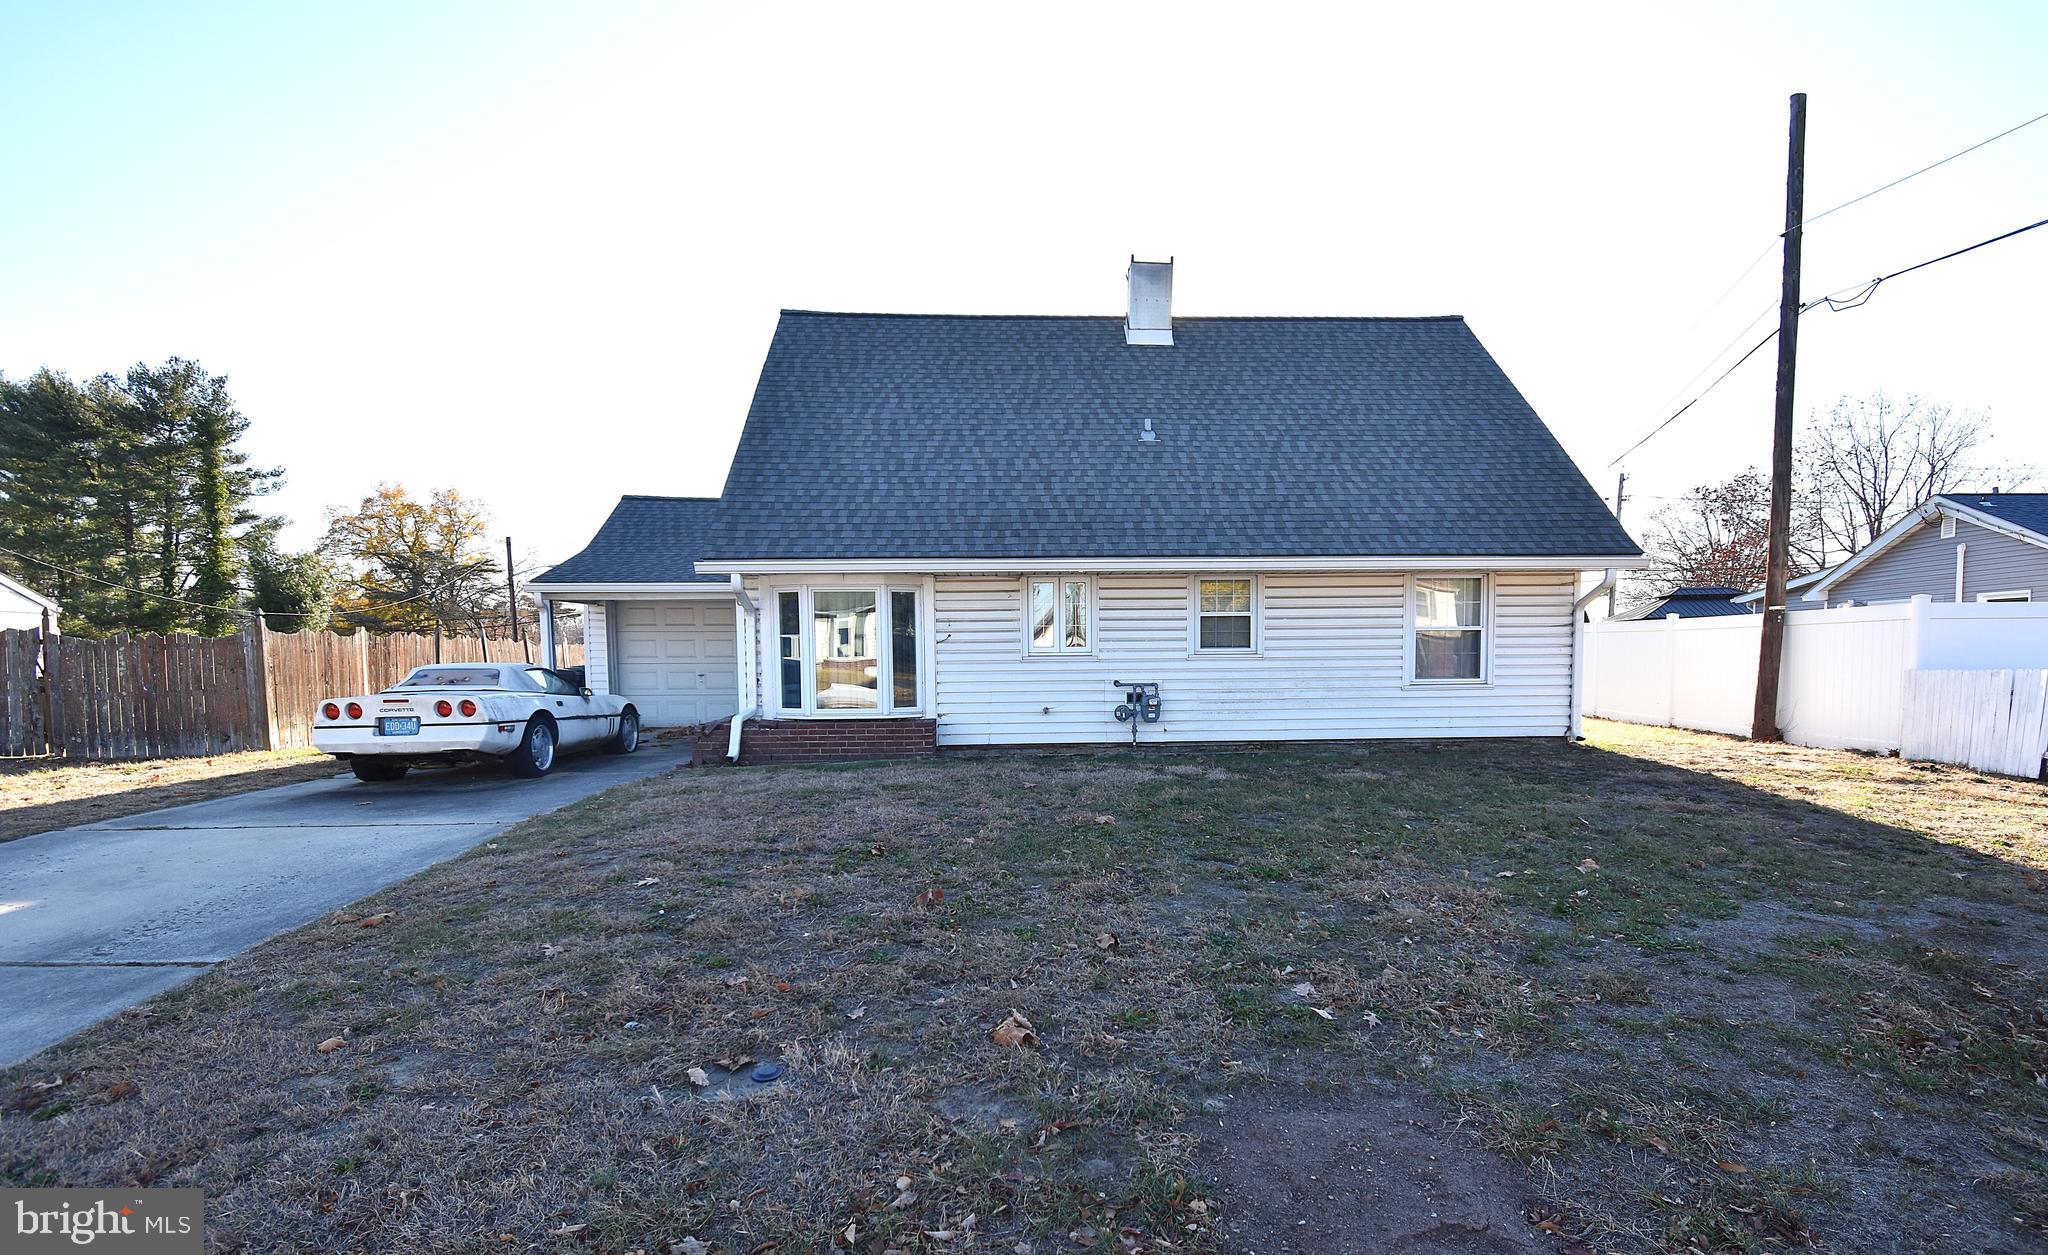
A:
<point x="100" y="917"/>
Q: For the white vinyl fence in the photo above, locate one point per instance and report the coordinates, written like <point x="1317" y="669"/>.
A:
<point x="1848" y="680"/>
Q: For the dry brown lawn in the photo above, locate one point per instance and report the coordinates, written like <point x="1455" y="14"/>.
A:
<point x="39" y="794"/>
<point x="1659" y="992"/>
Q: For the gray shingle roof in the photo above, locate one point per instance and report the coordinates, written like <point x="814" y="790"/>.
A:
<point x="647" y="540"/>
<point x="2024" y="509"/>
<point x="892" y="435"/>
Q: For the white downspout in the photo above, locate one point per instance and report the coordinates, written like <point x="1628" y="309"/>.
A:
<point x="745" y="631"/>
<point x="1573" y="731"/>
<point x="1961" y="549"/>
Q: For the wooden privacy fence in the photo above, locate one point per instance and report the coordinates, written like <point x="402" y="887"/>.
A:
<point x="177" y="696"/>
<point x="1990" y="720"/>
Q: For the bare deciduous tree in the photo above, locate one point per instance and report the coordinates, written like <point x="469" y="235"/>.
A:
<point x="1715" y="534"/>
<point x="1869" y="461"/>
<point x="1858" y="469"/>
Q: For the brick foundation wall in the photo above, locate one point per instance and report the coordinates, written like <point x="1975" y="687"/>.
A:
<point x="817" y="740"/>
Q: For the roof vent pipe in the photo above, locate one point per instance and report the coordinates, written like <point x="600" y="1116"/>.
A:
<point x="1150" y="320"/>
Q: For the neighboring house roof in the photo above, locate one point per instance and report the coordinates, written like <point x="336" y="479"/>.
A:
<point x="1699" y="601"/>
<point x="1796" y="584"/>
<point x="647" y="540"/>
<point x="23" y="591"/>
<point x="2020" y="515"/>
<point x="882" y="436"/>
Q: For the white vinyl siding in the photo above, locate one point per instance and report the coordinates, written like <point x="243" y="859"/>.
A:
<point x="1331" y="664"/>
<point x="597" y="653"/>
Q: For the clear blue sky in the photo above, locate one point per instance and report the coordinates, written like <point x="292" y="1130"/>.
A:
<point x="535" y="251"/>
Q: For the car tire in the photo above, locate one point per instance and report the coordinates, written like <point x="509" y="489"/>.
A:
<point x="535" y="755"/>
<point x="627" y="738"/>
<point x="372" y="770"/>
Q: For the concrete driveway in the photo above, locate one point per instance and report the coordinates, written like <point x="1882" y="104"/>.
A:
<point x="103" y="916"/>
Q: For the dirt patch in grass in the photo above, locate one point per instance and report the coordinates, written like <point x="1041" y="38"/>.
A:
<point x="1369" y="1168"/>
<point x="1647" y="994"/>
<point x="39" y="794"/>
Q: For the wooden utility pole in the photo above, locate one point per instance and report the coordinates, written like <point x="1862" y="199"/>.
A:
<point x="1763" y="720"/>
<point x="1620" y="495"/>
<point x="512" y="603"/>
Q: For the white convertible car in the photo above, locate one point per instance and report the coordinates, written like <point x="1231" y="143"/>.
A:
<point x="463" y="712"/>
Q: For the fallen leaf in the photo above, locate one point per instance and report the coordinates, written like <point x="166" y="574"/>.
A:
<point x="1015" y="1031"/>
<point x="569" y="1230"/>
<point x="1730" y="1166"/>
<point x="550" y="949"/>
<point x="331" y="1045"/>
<point x="1305" y="989"/>
<point x="698" y="1077"/>
<point x="646" y="881"/>
<point x="1107" y="941"/>
<point x="1659" y="1143"/>
<point x="1588" y="865"/>
<point x="856" y="1013"/>
<point x="119" y="1090"/>
<point x="691" y="1246"/>
<point x="378" y="920"/>
<point x="1324" y="1012"/>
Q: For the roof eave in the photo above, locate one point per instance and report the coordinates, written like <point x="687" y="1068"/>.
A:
<point x="1240" y="562"/>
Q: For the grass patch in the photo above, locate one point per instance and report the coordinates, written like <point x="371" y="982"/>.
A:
<point x="1698" y="987"/>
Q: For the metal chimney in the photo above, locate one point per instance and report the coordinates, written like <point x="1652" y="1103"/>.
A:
<point x="1150" y="320"/>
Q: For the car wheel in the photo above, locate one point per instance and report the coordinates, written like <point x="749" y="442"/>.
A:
<point x="536" y="753"/>
<point x="378" y="770"/>
<point x="627" y="738"/>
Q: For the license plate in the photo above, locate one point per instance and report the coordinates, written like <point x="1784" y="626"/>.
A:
<point x="408" y="725"/>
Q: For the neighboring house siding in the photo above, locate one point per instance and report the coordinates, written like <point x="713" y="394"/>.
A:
<point x="597" y="653"/>
<point x="1922" y="562"/>
<point x="1332" y="665"/>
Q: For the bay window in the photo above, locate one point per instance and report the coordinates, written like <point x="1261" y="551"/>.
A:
<point x="858" y="654"/>
<point x="1449" y="617"/>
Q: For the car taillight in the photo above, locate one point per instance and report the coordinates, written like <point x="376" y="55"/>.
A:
<point x="330" y="711"/>
<point x="468" y="706"/>
<point x="443" y="709"/>
<point x="355" y="710"/>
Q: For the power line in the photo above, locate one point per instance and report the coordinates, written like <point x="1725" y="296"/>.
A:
<point x="1754" y="262"/>
<point x="1697" y="399"/>
<point x="1809" y="221"/>
<point x="1864" y="291"/>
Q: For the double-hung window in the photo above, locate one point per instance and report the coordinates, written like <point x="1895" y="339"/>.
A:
<point x="1450" y="626"/>
<point x="1226" y="612"/>
<point x="1058" y="615"/>
<point x="847" y="650"/>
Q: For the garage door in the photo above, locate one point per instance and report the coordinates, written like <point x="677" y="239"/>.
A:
<point x="676" y="660"/>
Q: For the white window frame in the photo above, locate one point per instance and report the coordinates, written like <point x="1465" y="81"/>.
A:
<point x="1059" y="584"/>
<point x="885" y="688"/>
<point x="2010" y="595"/>
<point x="1408" y="630"/>
<point x="1258" y="645"/>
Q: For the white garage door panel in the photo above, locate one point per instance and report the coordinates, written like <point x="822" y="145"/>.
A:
<point x="676" y="660"/>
